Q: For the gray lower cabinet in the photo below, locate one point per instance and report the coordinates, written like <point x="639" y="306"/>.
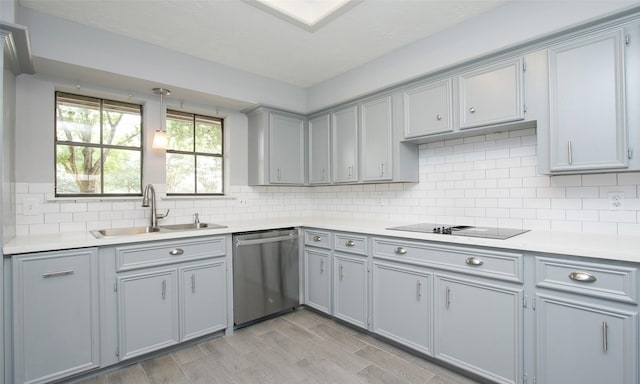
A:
<point x="55" y="314"/>
<point x="350" y="293"/>
<point x="403" y="304"/>
<point x="579" y="342"/>
<point x="317" y="279"/>
<point x="479" y="327"/>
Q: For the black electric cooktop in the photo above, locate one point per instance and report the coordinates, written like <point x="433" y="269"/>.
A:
<point x="462" y="230"/>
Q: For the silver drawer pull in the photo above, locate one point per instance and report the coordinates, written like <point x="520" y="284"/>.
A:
<point x="57" y="274"/>
<point x="317" y="238"/>
<point x="472" y="110"/>
<point x="164" y="289"/>
<point x="582" y="277"/>
<point x="438" y="117"/>
<point x="473" y="261"/>
<point x="176" y="252"/>
<point x="605" y="336"/>
<point x="400" y="250"/>
<point x="350" y="243"/>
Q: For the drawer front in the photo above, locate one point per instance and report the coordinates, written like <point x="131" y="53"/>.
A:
<point x="316" y="238"/>
<point x="168" y="252"/>
<point x="500" y="265"/>
<point x="346" y="242"/>
<point x="607" y="281"/>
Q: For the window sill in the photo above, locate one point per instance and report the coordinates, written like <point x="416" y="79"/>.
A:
<point x="131" y="198"/>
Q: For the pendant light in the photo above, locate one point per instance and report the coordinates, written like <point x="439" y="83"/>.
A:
<point x="160" y="136"/>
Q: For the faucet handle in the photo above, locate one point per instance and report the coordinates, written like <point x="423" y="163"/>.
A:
<point x="196" y="218"/>
<point x="162" y="215"/>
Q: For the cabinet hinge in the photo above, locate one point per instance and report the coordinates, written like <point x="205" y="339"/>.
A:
<point x="525" y="108"/>
<point x="117" y="352"/>
<point x="524" y="67"/>
<point x="630" y="153"/>
<point x="627" y="40"/>
<point x="524" y="301"/>
<point x="115" y="287"/>
<point x="533" y="306"/>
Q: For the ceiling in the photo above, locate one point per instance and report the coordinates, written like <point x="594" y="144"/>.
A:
<point x="242" y="35"/>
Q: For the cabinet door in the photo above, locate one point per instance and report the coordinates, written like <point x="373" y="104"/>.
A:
<point x="345" y="145"/>
<point x="580" y="343"/>
<point x="586" y="95"/>
<point x="148" y="312"/>
<point x="478" y="327"/>
<point x="286" y="150"/>
<point x="203" y="306"/>
<point x="319" y="150"/>
<point x="55" y="315"/>
<point x="492" y="94"/>
<point x="402" y="305"/>
<point x="350" y="289"/>
<point x="427" y="109"/>
<point x="376" y="135"/>
<point x="317" y="279"/>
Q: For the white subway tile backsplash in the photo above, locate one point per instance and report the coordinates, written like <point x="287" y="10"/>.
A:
<point x="600" y="179"/>
<point x="630" y="178"/>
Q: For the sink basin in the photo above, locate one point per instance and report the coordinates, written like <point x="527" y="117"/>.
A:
<point x="147" y="230"/>
<point x="189" y="226"/>
<point x="124" y="231"/>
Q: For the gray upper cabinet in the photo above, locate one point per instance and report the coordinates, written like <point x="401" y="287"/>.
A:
<point x="492" y="94"/>
<point x="277" y="142"/>
<point x="587" y="129"/>
<point x="428" y="109"/>
<point x="320" y="149"/>
<point x="344" y="127"/>
<point x="376" y="139"/>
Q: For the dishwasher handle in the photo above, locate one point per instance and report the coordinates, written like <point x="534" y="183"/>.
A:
<point x="266" y="240"/>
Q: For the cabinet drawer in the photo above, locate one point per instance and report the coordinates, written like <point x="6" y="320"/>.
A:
<point x="346" y="242"/>
<point x="475" y="261"/>
<point x="607" y="281"/>
<point x="168" y="252"/>
<point x="320" y="239"/>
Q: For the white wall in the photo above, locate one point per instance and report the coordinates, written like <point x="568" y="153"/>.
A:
<point x="502" y="27"/>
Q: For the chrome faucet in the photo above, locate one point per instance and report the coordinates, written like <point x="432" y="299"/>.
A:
<point x="149" y="195"/>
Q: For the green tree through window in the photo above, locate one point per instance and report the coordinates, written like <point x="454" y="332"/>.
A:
<point x="194" y="154"/>
<point x="98" y="146"/>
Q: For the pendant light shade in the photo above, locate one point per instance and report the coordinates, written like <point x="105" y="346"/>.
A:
<point x="160" y="136"/>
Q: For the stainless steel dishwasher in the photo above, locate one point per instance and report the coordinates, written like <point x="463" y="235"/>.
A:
<point x="265" y="274"/>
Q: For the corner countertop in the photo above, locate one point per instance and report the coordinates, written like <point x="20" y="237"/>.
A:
<point x="609" y="247"/>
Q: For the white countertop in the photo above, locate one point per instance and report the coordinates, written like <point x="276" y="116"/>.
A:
<point x="573" y="244"/>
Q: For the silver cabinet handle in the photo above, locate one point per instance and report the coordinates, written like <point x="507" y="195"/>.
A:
<point x="341" y="271"/>
<point x="474" y="261"/>
<point x="400" y="250"/>
<point x="317" y="238"/>
<point x="164" y="289"/>
<point x="472" y="110"/>
<point x="321" y="266"/>
<point x="350" y="170"/>
<point x="438" y="117"/>
<point x="569" y="152"/>
<point x="381" y="169"/>
<point x="176" y="252"/>
<point x="350" y="243"/>
<point x="323" y="174"/>
<point x="447" y="297"/>
<point x="57" y="274"/>
<point x="418" y="290"/>
<point x="279" y="174"/>
<point x="605" y="336"/>
<point x="193" y="282"/>
<point x="582" y="277"/>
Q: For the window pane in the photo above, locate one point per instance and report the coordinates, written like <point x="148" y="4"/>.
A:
<point x="121" y="124"/>
<point x="122" y="171"/>
<point x="77" y="170"/>
<point x="180" y="173"/>
<point x="209" y="174"/>
<point x="209" y="137"/>
<point x="77" y="120"/>
<point x="179" y="133"/>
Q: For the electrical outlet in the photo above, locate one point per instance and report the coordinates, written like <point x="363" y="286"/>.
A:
<point x="243" y="203"/>
<point x="30" y="207"/>
<point x="616" y="200"/>
<point x="379" y="198"/>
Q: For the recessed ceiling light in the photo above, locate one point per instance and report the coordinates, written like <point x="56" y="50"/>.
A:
<point x="308" y="14"/>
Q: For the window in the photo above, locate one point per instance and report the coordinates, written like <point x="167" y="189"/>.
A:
<point x="98" y="146"/>
<point x="194" y="154"/>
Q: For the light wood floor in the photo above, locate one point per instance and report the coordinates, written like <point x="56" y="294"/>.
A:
<point x="300" y="347"/>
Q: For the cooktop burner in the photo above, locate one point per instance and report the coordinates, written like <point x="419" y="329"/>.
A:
<point x="462" y="230"/>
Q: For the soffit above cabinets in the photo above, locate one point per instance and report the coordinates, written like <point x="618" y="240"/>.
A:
<point x="243" y="36"/>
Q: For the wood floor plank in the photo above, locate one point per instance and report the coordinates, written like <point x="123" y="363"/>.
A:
<point x="339" y="337"/>
<point x="133" y="374"/>
<point x="375" y="375"/>
<point x="163" y="370"/>
<point x="395" y="365"/>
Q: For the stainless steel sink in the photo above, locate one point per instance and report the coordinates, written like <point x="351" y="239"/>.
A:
<point x="132" y="231"/>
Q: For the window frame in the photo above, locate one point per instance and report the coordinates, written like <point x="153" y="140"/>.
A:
<point x="99" y="145"/>
<point x="195" y="154"/>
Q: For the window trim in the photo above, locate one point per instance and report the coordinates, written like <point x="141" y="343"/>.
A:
<point x="99" y="145"/>
<point x="193" y="117"/>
